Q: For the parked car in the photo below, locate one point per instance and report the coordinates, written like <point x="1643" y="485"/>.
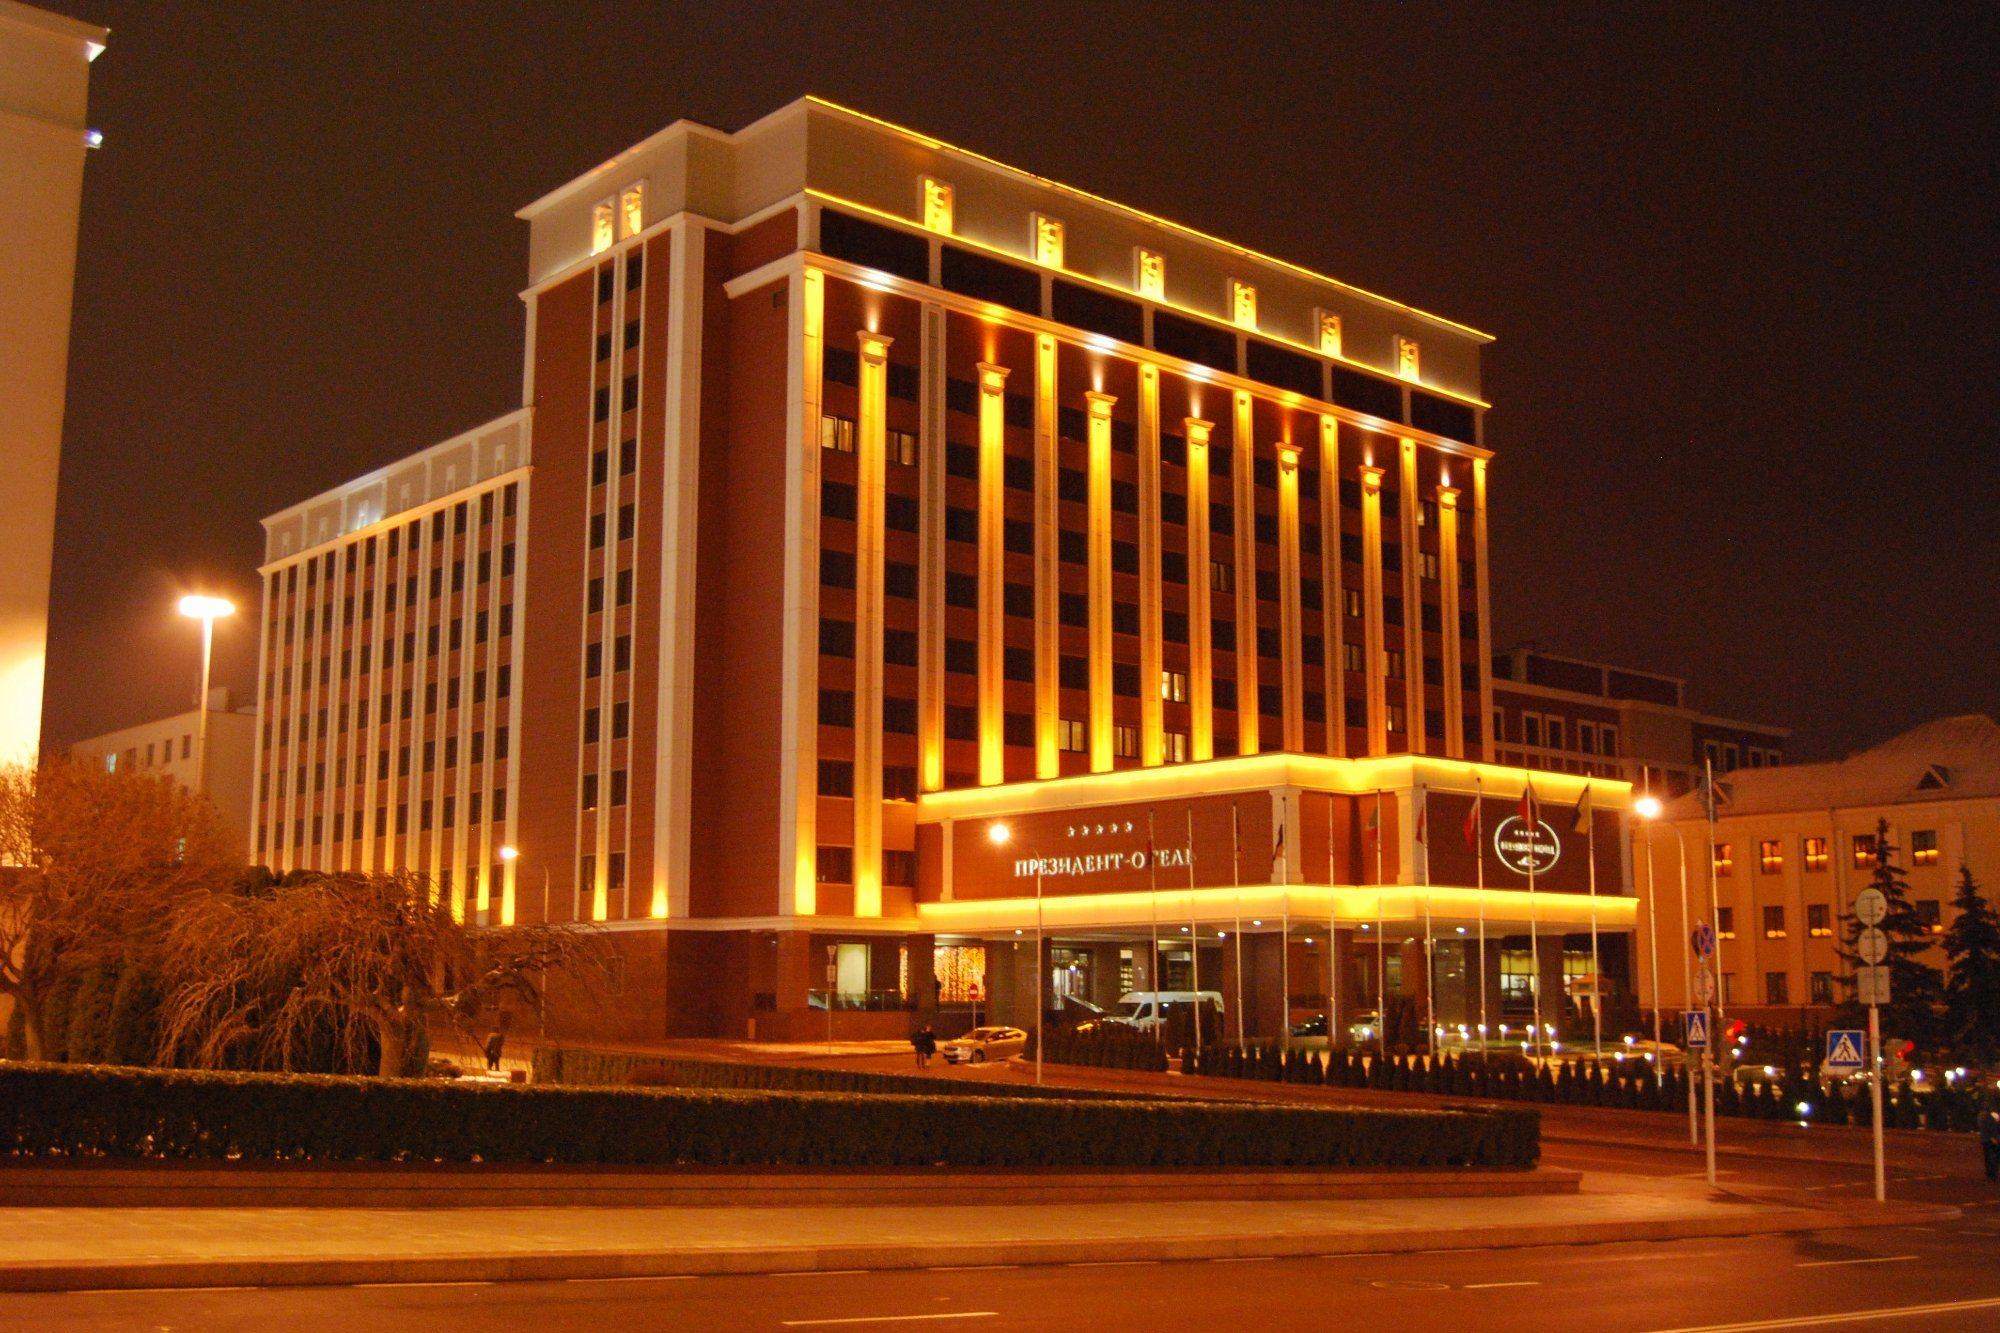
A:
<point x="982" y="1044"/>
<point x="1147" y="1009"/>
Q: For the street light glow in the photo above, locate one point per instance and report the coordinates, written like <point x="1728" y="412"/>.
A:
<point x="998" y="834"/>
<point x="510" y="853"/>
<point x="197" y="607"/>
<point x="1648" y="807"/>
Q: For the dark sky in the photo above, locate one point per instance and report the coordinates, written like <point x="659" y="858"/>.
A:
<point x="1740" y="263"/>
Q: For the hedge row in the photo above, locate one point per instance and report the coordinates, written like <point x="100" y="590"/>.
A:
<point x="101" y="1111"/>
<point x="1508" y="1076"/>
<point x="1106" y="1046"/>
<point x="617" y="1069"/>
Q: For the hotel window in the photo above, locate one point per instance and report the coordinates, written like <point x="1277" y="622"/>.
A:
<point x="1864" y="851"/>
<point x="632" y="210"/>
<point x="1725" y="863"/>
<point x="1777" y="988"/>
<point x="1427" y="565"/>
<point x="1397" y="717"/>
<point x="1586" y="737"/>
<point x="1815" y="853"/>
<point x="1392" y="663"/>
<point x="1531" y="729"/>
<point x="1173" y="747"/>
<point x="1725" y="923"/>
<point x="603" y="226"/>
<point x="1173" y="686"/>
<point x="1125" y="741"/>
<point x="833" y="865"/>
<point x="1070" y="736"/>
<point x="1770" y="856"/>
<point x="1555" y="733"/>
<point x="1729" y="757"/>
<point x="589" y="791"/>
<point x="1819" y="988"/>
<point x="1498" y="721"/>
<point x="1607" y="739"/>
<point x="902" y="447"/>
<point x="1924" y="847"/>
<point x="1350" y="656"/>
<point x="1928" y="915"/>
<point x="1819" y="920"/>
<point x="1774" y="923"/>
<point x="1221" y="577"/>
<point x="618" y="785"/>
<point x="836" y="433"/>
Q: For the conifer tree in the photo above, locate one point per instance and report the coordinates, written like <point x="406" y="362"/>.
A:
<point x="1972" y="989"/>
<point x="1916" y="991"/>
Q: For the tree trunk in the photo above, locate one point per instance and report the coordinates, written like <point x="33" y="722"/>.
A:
<point x="31" y="1029"/>
<point x="394" y="1050"/>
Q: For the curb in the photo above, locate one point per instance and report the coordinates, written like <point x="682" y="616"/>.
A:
<point x="66" y="1275"/>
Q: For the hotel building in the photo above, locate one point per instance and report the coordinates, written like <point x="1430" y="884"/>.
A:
<point x="44" y="83"/>
<point x="1794" y="844"/>
<point x="167" y="747"/>
<point x="889" y="537"/>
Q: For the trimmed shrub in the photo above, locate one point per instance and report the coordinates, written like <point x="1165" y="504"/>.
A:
<point x="135" y="1018"/>
<point x="613" y="1069"/>
<point x="56" y="1111"/>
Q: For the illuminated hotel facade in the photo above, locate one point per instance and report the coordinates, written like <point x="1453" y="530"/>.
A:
<point x="888" y="533"/>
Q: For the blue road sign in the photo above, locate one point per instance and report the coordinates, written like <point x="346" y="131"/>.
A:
<point x="1703" y="940"/>
<point x="1843" y="1049"/>
<point x="1696" y="1021"/>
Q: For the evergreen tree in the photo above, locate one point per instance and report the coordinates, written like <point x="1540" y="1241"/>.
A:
<point x="1972" y="990"/>
<point x="135" y="1018"/>
<point x="1916" y="991"/>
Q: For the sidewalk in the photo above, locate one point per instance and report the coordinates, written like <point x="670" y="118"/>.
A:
<point x="51" y="1249"/>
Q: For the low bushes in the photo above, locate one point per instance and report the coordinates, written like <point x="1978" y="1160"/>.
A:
<point x="1106" y="1046"/>
<point x="98" y="1111"/>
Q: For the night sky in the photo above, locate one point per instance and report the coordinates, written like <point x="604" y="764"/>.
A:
<point x="1740" y="265"/>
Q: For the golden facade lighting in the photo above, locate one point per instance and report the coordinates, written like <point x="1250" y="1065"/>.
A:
<point x="1333" y="615"/>
<point x="1242" y="304"/>
<point x="603" y="225"/>
<point x="1243" y="476"/>
<point x="1149" y="273"/>
<point x="1413" y="621"/>
<point x="871" y="462"/>
<point x="1482" y="591"/>
<point x="1201" y="647"/>
<point x="1099" y="574"/>
<point x="1407" y="358"/>
<point x="1375" y="659"/>
<point x="938" y="202"/>
<point x="992" y="555"/>
<point x="1048" y="564"/>
<point x="1328" y="325"/>
<point x="1048" y="241"/>
<point x="800" y="799"/>
<point x="1293" y="717"/>
<point x="632" y="210"/>
<point x="1151" y="726"/>
<point x="1448" y="592"/>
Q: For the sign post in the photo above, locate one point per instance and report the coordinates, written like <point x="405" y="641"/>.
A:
<point x="1871" y="986"/>
<point x="832" y="979"/>
<point x="1703" y="940"/>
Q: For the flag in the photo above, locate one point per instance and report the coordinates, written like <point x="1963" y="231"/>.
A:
<point x="1471" y="829"/>
<point x="1278" y="849"/>
<point x="1422" y="833"/>
<point x="1530" y="808"/>
<point x="1373" y="824"/>
<point x="1582" y="821"/>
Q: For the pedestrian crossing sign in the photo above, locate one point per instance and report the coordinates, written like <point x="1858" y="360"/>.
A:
<point x="1697" y="1029"/>
<point x="1843" y="1049"/>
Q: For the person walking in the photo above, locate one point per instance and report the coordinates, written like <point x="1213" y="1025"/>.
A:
<point x="925" y="1044"/>
<point x="495" y="1042"/>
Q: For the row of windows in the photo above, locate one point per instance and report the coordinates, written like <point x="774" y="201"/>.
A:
<point x="482" y="574"/>
<point x="1820" y="920"/>
<point x="429" y="814"/>
<point x="835" y="865"/>
<point x="450" y="638"/>
<point x="130" y="755"/>
<point x="1551" y="732"/>
<point x="1814" y="853"/>
<point x="427" y="756"/>
<point x="1724" y="756"/>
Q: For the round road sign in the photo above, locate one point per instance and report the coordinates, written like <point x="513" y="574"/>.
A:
<point x="1872" y="946"/>
<point x="1870" y="906"/>
<point x="1703" y="939"/>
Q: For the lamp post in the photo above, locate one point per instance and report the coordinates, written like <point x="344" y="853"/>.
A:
<point x="207" y="610"/>
<point x="1648" y="807"/>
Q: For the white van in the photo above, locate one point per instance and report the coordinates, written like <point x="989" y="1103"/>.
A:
<point x="1147" y="1009"/>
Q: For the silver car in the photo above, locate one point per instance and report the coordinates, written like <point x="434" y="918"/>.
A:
<point x="983" y="1044"/>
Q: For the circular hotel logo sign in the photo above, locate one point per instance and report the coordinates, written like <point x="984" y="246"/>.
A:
<point x="1523" y="853"/>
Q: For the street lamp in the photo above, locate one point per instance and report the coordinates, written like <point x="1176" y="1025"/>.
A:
<point x="207" y="610"/>
<point x="1648" y="808"/>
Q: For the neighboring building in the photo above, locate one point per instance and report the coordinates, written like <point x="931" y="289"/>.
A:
<point x="167" y="748"/>
<point x="44" y="76"/>
<point x="889" y="533"/>
<point x="1575" y="716"/>
<point x="1795" y="843"/>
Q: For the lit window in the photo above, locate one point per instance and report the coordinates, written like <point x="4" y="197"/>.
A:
<point x="1396" y="717"/>
<point x="836" y="433"/>
<point x="1173" y="686"/>
<point x="1353" y="600"/>
<point x="1407" y="358"/>
<point x="1149" y="273"/>
<point x="632" y="210"/>
<point x="1125" y="741"/>
<point x="937" y="205"/>
<point x="1329" y="333"/>
<point x="1816" y="857"/>
<point x="1929" y="916"/>
<point x="902" y="447"/>
<point x="1819" y="920"/>
<point x="1774" y="923"/>
<point x="1427" y="565"/>
<point x="602" y="222"/>
<point x="1221" y="577"/>
<point x="1350" y="655"/>
<point x="1392" y="663"/>
<point x="1864" y="851"/>
<point x="1070" y="735"/>
<point x="1242" y="304"/>
<point x="1770" y="856"/>
<point x="1724" y="862"/>
<point x="1725" y="923"/>
<point x="1173" y="745"/>
<point x="1048" y="240"/>
<point x="1924" y="847"/>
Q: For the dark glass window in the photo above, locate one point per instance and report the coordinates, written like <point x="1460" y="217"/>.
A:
<point x="1365" y="393"/>
<point x="1194" y="341"/>
<point x="986" y="279"/>
<point x="874" y="246"/>
<point x="1100" y="312"/>
<point x="1282" y="367"/>
<point x="1442" y="416"/>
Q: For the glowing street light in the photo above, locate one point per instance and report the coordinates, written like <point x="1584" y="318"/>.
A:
<point x="998" y="834"/>
<point x="207" y="610"/>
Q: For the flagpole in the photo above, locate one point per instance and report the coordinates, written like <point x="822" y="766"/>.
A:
<point x="1534" y="822"/>
<point x="1652" y="920"/>
<point x="1687" y="983"/>
<point x="1596" y="964"/>
<point x="1153" y="963"/>
<point x="1479" y="861"/>
<point x="1236" y="879"/>
<point x="1332" y="939"/>
<point x="1285" y="926"/>
<point x="1430" y="967"/>
<point x="1381" y="960"/>
<point x="1714" y="909"/>
<point x="1194" y="938"/>
<point x="1041" y="1005"/>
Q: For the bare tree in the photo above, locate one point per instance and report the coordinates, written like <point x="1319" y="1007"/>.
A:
<point x="91" y="863"/>
<point x="359" y="961"/>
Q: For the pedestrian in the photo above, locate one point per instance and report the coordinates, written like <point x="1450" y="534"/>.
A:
<point x="495" y="1041"/>
<point x="925" y="1045"/>
<point x="1989" y="1137"/>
